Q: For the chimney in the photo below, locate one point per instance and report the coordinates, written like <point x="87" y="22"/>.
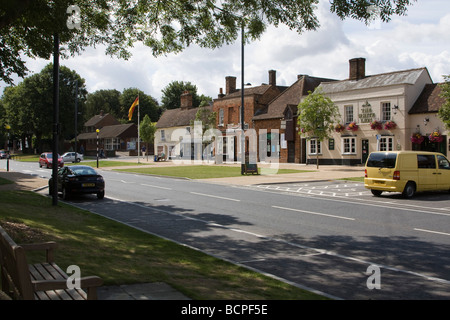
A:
<point x="357" y="68"/>
<point x="273" y="77"/>
<point x="186" y="100"/>
<point x="230" y="85"/>
<point x="221" y="95"/>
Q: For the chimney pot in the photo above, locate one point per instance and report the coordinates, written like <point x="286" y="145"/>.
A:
<point x="273" y="77"/>
<point x="230" y="84"/>
<point x="186" y="100"/>
<point x="357" y="68"/>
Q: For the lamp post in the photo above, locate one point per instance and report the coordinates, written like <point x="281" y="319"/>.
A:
<point x="56" y="126"/>
<point x="97" y="145"/>
<point x="242" y="104"/>
<point x="8" y="127"/>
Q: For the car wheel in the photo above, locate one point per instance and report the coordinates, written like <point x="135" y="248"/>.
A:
<point x="376" y="193"/>
<point x="50" y="189"/>
<point x="78" y="160"/>
<point x="410" y="190"/>
<point x="101" y="194"/>
<point x="66" y="193"/>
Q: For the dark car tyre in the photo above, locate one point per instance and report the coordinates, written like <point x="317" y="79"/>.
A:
<point x="410" y="190"/>
<point x="101" y="195"/>
<point x="376" y="193"/>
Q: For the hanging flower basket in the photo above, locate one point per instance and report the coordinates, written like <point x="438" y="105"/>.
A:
<point x="417" y="138"/>
<point x="389" y="125"/>
<point x="339" y="128"/>
<point x="435" y="137"/>
<point x="376" y="125"/>
<point x="352" y="126"/>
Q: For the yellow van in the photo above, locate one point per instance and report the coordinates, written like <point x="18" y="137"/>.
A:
<point x="407" y="172"/>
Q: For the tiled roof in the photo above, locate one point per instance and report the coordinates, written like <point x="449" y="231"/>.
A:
<point x="378" y="80"/>
<point x="92" y="122"/>
<point x="177" y="117"/>
<point x="253" y="90"/>
<point x="120" y="130"/>
<point x="429" y="100"/>
<point x="290" y="96"/>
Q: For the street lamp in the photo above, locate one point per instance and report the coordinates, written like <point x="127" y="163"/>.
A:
<point x="97" y="145"/>
<point x="242" y="104"/>
<point x="8" y="127"/>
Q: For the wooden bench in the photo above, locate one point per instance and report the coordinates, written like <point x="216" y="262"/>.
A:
<point x="41" y="281"/>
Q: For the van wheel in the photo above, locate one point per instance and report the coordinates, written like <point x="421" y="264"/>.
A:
<point x="410" y="190"/>
<point x="376" y="193"/>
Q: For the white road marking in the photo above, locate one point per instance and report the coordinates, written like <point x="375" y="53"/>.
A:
<point x="315" y="213"/>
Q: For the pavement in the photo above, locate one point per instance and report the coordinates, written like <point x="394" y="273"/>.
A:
<point x="162" y="291"/>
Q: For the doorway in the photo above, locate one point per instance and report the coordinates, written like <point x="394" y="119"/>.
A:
<point x="364" y="150"/>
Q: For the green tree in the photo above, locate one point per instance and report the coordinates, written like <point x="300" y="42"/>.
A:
<point x="28" y="106"/>
<point x="316" y="116"/>
<point x="444" y="111"/>
<point x="106" y="100"/>
<point x="147" y="130"/>
<point x="173" y="91"/>
<point x="27" y="27"/>
<point x="147" y="105"/>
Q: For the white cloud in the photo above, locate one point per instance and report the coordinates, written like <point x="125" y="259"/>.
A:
<point x="416" y="40"/>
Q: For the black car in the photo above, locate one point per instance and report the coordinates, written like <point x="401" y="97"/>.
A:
<point x="78" y="180"/>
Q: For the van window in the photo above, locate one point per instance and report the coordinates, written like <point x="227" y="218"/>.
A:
<point x="443" y="162"/>
<point x="426" y="161"/>
<point x="382" y="160"/>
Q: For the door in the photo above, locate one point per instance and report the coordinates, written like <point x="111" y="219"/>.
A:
<point x="427" y="172"/>
<point x="443" y="173"/>
<point x="365" y="150"/>
<point x="291" y="151"/>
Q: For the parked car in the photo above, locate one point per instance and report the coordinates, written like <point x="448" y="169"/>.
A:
<point x="78" y="179"/>
<point x="3" y="155"/>
<point x="46" y="159"/>
<point x="72" y="157"/>
<point x="407" y="172"/>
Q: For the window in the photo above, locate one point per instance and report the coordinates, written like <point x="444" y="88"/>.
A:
<point x="315" y="146"/>
<point x="349" y="145"/>
<point x="112" y="143"/>
<point x="163" y="135"/>
<point x="221" y="117"/>
<point x="348" y="112"/>
<point x="443" y="162"/>
<point x="331" y="144"/>
<point x="386" y="144"/>
<point x="426" y="161"/>
<point x="385" y="111"/>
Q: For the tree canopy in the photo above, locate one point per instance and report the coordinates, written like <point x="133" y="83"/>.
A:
<point x="173" y="91"/>
<point x="27" y="26"/>
<point x="444" y="111"/>
<point x="316" y="116"/>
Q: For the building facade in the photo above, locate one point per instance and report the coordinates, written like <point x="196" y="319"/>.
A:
<point x="174" y="136"/>
<point x="378" y="113"/>
<point x="228" y="110"/>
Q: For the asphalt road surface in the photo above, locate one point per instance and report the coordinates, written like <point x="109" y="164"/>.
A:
<point x="332" y="237"/>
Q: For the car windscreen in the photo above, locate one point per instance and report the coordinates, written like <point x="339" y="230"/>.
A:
<point x="83" y="171"/>
<point x="382" y="160"/>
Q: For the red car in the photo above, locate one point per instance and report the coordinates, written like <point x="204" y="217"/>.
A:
<point x="46" y="159"/>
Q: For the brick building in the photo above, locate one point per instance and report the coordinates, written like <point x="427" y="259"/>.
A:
<point x="228" y="109"/>
<point x="281" y="114"/>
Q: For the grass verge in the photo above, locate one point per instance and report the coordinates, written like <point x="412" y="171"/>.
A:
<point x="200" y="171"/>
<point x="123" y="255"/>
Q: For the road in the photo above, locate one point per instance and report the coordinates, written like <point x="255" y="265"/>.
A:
<point x="333" y="237"/>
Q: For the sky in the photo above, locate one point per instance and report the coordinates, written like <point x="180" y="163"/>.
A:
<point x="419" y="39"/>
